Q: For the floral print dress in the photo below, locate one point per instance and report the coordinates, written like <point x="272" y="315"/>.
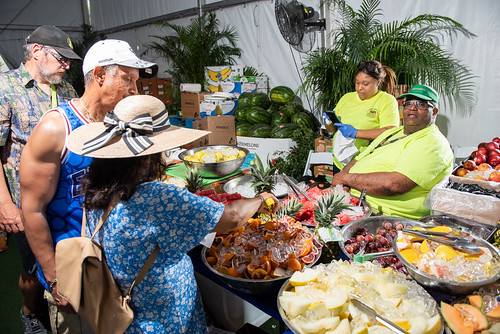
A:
<point x="168" y="299"/>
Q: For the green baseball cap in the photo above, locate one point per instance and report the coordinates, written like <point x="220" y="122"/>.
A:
<point x="422" y="92"/>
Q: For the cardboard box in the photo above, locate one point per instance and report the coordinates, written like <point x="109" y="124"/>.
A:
<point x="207" y="108"/>
<point x="262" y="84"/>
<point x="326" y="170"/>
<point x="160" y="88"/>
<point x="238" y="87"/>
<point x="222" y="127"/>
<point x="190" y="104"/>
<point x="323" y="145"/>
<point x="266" y="147"/>
<point x="216" y="74"/>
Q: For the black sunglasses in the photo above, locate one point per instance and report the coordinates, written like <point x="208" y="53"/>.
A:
<point x="368" y="66"/>
<point x="57" y="56"/>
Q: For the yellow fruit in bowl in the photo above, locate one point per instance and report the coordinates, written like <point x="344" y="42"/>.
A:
<point x="410" y="255"/>
<point x="445" y="252"/>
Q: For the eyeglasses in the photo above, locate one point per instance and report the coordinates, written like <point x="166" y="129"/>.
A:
<point x="368" y="66"/>
<point x="422" y="105"/>
<point x="57" y="56"/>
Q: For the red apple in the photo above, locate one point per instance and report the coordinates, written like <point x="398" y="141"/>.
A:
<point x="473" y="154"/>
<point x="494" y="152"/>
<point x="484" y="167"/>
<point x="470" y="165"/>
<point x="497" y="167"/>
<point x="494" y="160"/>
<point x="494" y="176"/>
<point x="480" y="158"/>
<point x="461" y="172"/>
<point x="496" y="140"/>
<point x="492" y="146"/>
<point x="483" y="144"/>
<point x="482" y="150"/>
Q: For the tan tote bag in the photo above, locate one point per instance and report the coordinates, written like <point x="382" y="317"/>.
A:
<point x="84" y="279"/>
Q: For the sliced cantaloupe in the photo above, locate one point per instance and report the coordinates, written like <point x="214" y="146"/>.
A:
<point x="455" y="320"/>
<point x="476" y="300"/>
<point x="444" y="229"/>
<point x="410" y="255"/>
<point x="494" y="312"/>
<point x="472" y="313"/>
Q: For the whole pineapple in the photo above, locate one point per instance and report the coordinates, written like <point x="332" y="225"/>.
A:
<point x="328" y="207"/>
<point x="194" y="180"/>
<point x="263" y="178"/>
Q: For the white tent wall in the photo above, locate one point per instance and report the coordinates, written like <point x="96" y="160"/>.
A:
<point x="264" y="48"/>
<point x="18" y="18"/>
<point x="480" y="54"/>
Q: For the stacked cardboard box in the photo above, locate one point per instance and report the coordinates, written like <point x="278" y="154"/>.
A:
<point x="222" y="128"/>
<point x="190" y="104"/>
<point x="160" y="88"/>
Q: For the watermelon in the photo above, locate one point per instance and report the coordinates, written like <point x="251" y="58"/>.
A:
<point x="242" y="128"/>
<point x="244" y="99"/>
<point x="240" y="111"/>
<point x="281" y="94"/>
<point x="258" y="115"/>
<point x="304" y="121"/>
<point x="284" y="130"/>
<point x="259" y="130"/>
<point x="278" y="118"/>
<point x="274" y="107"/>
<point x="259" y="100"/>
<point x="291" y="108"/>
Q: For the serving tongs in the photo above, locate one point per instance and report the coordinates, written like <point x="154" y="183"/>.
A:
<point x="355" y="300"/>
<point x="461" y="241"/>
<point x="361" y="256"/>
<point x="294" y="187"/>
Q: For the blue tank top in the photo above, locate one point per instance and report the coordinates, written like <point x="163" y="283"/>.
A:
<point x="64" y="212"/>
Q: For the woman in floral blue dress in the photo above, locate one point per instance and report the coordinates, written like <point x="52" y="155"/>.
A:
<point x="151" y="213"/>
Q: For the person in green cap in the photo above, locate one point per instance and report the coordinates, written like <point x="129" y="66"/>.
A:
<point x="400" y="167"/>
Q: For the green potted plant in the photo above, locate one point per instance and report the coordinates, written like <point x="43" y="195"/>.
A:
<point x="191" y="48"/>
<point x="409" y="47"/>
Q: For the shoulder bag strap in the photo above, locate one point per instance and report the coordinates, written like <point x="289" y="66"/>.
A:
<point x="151" y="259"/>
<point x="144" y="270"/>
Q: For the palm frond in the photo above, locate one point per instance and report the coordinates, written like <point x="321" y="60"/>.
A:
<point x="411" y="47"/>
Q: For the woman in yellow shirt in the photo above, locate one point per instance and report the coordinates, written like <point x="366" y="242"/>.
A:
<point x="367" y="112"/>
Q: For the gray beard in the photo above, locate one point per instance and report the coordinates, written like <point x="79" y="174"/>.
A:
<point x="52" y="78"/>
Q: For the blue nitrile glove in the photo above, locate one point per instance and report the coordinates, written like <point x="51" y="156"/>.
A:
<point x="347" y="130"/>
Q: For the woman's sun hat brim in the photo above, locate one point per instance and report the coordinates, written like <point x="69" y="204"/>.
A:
<point x="165" y="140"/>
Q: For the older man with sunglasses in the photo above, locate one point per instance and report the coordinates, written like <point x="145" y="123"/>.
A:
<point x="400" y="167"/>
<point x="25" y="94"/>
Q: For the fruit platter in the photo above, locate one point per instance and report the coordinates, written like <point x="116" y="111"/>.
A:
<point x="372" y="235"/>
<point x="322" y="300"/>
<point x="351" y="207"/>
<point x="477" y="312"/>
<point x="262" y="254"/>
<point x="436" y="263"/>
<point x="215" y="161"/>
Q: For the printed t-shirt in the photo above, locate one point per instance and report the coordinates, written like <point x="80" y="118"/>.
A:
<point x="379" y="111"/>
<point x="425" y="157"/>
<point x="22" y="103"/>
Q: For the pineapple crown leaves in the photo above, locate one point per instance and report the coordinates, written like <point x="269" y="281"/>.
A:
<point x="328" y="207"/>
<point x="194" y="179"/>
<point x="263" y="177"/>
<point x="290" y="208"/>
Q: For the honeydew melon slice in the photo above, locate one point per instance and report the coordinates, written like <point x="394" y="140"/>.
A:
<point x="343" y="328"/>
<point x="433" y="325"/>
<point x="294" y="305"/>
<point x="303" y="277"/>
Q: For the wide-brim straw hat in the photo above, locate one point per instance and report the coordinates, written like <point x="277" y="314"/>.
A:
<point x="129" y="111"/>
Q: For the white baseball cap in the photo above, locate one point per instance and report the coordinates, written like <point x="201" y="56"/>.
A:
<point x="113" y="51"/>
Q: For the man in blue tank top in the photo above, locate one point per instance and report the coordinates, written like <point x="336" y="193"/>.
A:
<point x="50" y="174"/>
